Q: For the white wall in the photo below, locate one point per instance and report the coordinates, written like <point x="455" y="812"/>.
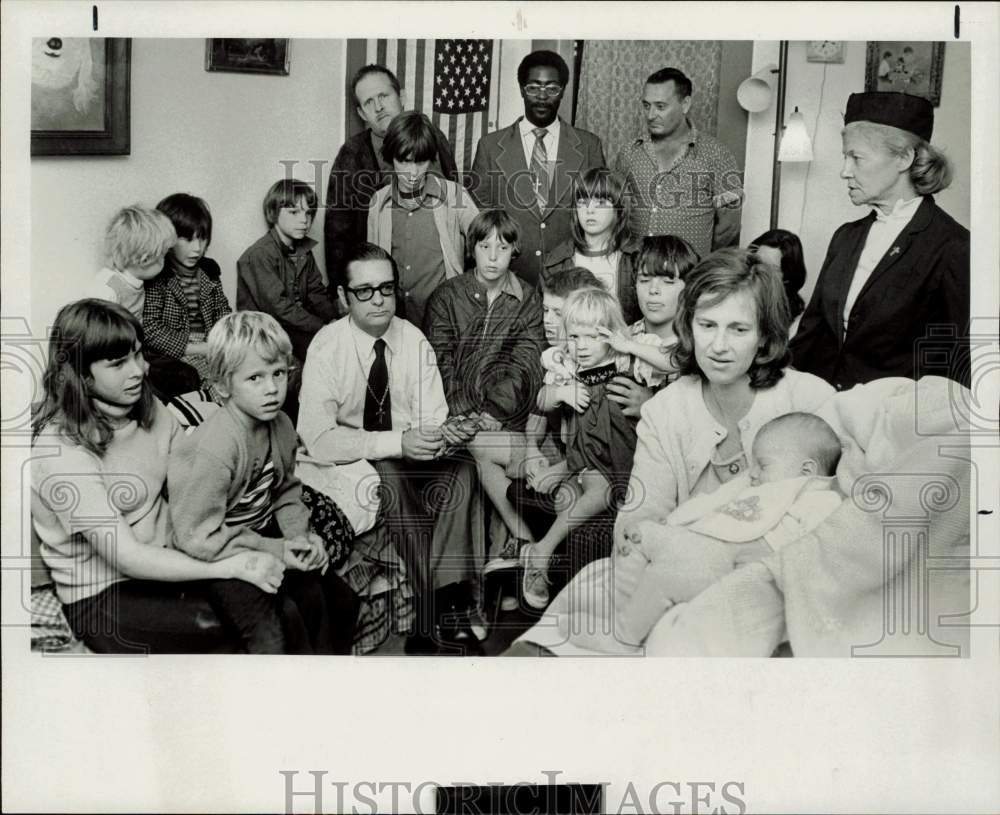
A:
<point x="216" y="135"/>
<point x="813" y="200"/>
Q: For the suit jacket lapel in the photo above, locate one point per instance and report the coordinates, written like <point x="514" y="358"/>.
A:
<point x="510" y="159"/>
<point x="836" y="317"/>
<point x="569" y="160"/>
<point x="921" y="218"/>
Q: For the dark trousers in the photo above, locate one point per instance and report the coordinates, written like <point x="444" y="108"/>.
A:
<point x="150" y="617"/>
<point x="426" y="507"/>
<point x="310" y="614"/>
<point x="153" y="617"/>
<point x="170" y="376"/>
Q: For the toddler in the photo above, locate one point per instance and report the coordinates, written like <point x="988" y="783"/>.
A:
<point x="600" y="439"/>
<point x="788" y="494"/>
<point x="233" y="487"/>
<point x="186" y="299"/>
<point x="503" y="456"/>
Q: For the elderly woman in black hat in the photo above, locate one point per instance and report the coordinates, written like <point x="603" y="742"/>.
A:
<point x="900" y="270"/>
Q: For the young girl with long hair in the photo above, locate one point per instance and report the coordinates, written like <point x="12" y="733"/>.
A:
<point x="100" y="443"/>
<point x="602" y="242"/>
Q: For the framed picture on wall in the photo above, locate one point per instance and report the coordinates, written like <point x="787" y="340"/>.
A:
<point x="906" y="67"/>
<point x="80" y="96"/>
<point x="247" y="56"/>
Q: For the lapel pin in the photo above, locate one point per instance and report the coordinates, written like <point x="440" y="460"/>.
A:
<point x="895" y="251"/>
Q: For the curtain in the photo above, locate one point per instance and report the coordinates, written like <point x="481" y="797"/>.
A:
<point x="612" y="75"/>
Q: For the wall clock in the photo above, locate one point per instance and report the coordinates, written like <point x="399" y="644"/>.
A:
<point x="825" y="51"/>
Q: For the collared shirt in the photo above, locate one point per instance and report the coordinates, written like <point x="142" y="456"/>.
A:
<point x="550" y="140"/>
<point x="335" y="382"/>
<point x="881" y="236"/>
<point x="682" y="199"/>
<point x="416" y="248"/>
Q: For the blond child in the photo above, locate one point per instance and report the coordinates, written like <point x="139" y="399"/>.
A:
<point x="135" y="244"/>
<point x="600" y="443"/>
<point x="503" y="456"/>
<point x="233" y="487"/>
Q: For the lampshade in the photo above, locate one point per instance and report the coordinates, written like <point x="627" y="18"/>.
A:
<point x="755" y="92"/>
<point x="795" y="142"/>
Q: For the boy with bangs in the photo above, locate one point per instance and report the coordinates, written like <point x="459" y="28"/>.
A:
<point x="420" y="218"/>
<point x="278" y="273"/>
<point x="233" y="487"/>
<point x="486" y="330"/>
<point x="186" y="299"/>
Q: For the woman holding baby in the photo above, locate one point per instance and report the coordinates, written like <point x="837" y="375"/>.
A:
<point x="695" y="435"/>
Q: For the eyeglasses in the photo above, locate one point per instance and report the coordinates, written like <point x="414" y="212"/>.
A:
<point x="550" y="89"/>
<point x="366" y="293"/>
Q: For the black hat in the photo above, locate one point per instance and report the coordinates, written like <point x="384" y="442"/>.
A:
<point x="903" y="110"/>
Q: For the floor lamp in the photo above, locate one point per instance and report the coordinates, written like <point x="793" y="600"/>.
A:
<point x="779" y="124"/>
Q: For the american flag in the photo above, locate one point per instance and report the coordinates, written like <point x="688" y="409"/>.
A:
<point x="454" y="82"/>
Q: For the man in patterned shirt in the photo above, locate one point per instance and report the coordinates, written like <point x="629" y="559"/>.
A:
<point x="682" y="182"/>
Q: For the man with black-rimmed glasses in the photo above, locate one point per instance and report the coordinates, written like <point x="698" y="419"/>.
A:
<point x="528" y="168"/>
<point x="371" y="391"/>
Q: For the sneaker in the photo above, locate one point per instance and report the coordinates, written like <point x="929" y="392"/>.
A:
<point x="507" y="557"/>
<point x="534" y="583"/>
<point x="477" y="625"/>
<point x="509" y="603"/>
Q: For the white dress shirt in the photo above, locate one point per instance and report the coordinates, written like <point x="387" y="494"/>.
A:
<point x="335" y="382"/>
<point x="550" y="140"/>
<point x="881" y="236"/>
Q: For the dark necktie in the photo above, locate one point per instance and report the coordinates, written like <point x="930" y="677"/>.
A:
<point x="540" y="168"/>
<point x="378" y="405"/>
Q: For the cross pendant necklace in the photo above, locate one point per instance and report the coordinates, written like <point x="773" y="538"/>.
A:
<point x="380" y="407"/>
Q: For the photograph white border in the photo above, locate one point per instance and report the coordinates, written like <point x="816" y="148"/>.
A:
<point x="196" y="734"/>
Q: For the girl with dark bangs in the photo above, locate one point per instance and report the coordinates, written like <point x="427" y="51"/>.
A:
<point x="98" y="501"/>
<point x="602" y="242"/>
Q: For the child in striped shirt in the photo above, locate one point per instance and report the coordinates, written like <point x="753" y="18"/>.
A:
<point x="233" y="487"/>
<point x="186" y="299"/>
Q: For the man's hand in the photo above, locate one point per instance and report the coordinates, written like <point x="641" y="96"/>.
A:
<point x="422" y="444"/>
<point x="629" y="394"/>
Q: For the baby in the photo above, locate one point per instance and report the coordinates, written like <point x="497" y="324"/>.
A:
<point x="788" y="494"/>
